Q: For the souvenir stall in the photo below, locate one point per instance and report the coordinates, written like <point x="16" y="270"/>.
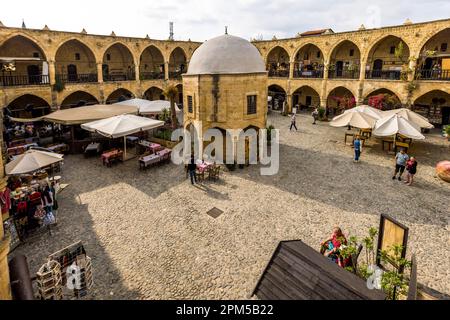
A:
<point x="30" y="196"/>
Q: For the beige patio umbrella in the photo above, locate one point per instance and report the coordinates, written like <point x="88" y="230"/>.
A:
<point x="355" y="119"/>
<point x="371" y="111"/>
<point x="122" y="126"/>
<point x="412" y="116"/>
<point x="395" y="124"/>
<point x="32" y="160"/>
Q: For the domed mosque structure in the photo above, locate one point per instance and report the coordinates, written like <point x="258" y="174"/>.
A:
<point x="225" y="86"/>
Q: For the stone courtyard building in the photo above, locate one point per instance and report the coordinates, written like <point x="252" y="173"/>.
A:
<point x="47" y="69"/>
<point x="225" y="87"/>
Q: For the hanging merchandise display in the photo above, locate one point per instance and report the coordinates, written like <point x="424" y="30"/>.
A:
<point x="49" y="281"/>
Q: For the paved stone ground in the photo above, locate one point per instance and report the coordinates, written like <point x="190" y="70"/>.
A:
<point x="150" y="238"/>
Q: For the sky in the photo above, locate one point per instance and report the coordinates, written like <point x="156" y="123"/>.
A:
<point x="200" y="20"/>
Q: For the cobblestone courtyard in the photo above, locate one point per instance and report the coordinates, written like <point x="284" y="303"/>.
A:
<point x="149" y="236"/>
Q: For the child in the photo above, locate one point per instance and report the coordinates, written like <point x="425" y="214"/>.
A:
<point x="411" y="169"/>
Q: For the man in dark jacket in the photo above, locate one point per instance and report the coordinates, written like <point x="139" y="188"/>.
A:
<point x="192" y="166"/>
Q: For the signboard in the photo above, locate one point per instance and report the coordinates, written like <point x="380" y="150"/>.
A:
<point x="391" y="233"/>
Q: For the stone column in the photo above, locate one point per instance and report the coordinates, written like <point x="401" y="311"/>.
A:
<point x="362" y="78"/>
<point x="291" y="69"/>
<point x="100" y="72"/>
<point x="52" y="72"/>
<point x="5" y="289"/>
<point x="166" y="70"/>
<point x="412" y="67"/>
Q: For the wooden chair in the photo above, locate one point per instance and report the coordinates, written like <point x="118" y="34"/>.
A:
<point x="200" y="175"/>
<point x="214" y="173"/>
<point x="355" y="258"/>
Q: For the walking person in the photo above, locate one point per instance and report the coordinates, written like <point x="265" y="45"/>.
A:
<point x="411" y="170"/>
<point x="400" y="164"/>
<point x="293" y="122"/>
<point x="192" y="167"/>
<point x="357" y="146"/>
<point x="315" y="115"/>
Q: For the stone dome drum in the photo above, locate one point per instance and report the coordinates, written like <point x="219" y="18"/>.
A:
<point x="226" y="55"/>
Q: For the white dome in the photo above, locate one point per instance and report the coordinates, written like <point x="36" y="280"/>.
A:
<point x="226" y="55"/>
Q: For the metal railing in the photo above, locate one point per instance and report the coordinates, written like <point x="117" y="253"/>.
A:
<point x="23" y="80"/>
<point x="308" y="74"/>
<point x="151" y="75"/>
<point x="443" y="75"/>
<point x="119" y="77"/>
<point x="77" y="78"/>
<point x="175" y="75"/>
<point x="279" y="73"/>
<point x="383" y="74"/>
<point x="343" y="74"/>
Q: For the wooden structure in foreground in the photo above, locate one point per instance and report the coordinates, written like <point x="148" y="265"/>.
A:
<point x="298" y="272"/>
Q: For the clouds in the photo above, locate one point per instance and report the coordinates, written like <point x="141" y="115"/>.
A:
<point x="203" y="19"/>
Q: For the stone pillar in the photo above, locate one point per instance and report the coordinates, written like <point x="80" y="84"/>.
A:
<point x="5" y="289"/>
<point x="100" y="72"/>
<point x="288" y="103"/>
<point x="52" y="72"/>
<point x="291" y="69"/>
<point x="362" y="78"/>
<point x="412" y="67"/>
<point x="166" y="70"/>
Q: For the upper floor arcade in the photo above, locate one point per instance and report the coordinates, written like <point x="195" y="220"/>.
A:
<point x="45" y="57"/>
<point x="407" y="52"/>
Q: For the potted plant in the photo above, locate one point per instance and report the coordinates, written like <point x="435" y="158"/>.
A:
<point x="322" y="112"/>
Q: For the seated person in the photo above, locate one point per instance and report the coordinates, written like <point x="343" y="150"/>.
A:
<point x="330" y="247"/>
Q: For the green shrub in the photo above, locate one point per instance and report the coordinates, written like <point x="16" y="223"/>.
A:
<point x="321" y="113"/>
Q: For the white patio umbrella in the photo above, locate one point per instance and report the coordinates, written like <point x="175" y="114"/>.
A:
<point x="354" y="119"/>
<point x="148" y="107"/>
<point x="122" y="126"/>
<point x="371" y="111"/>
<point x="412" y="116"/>
<point x="395" y="124"/>
<point x="32" y="160"/>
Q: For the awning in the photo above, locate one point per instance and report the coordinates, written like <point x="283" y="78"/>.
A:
<point x="86" y="114"/>
<point x="148" y="107"/>
<point x="122" y="125"/>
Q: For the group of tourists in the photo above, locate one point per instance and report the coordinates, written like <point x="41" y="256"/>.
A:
<point x="403" y="162"/>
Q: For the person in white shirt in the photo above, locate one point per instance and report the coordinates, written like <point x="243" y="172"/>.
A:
<point x="293" y="122"/>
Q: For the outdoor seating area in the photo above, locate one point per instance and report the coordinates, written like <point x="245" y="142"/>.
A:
<point x="112" y="156"/>
<point x="156" y="158"/>
<point x="395" y="129"/>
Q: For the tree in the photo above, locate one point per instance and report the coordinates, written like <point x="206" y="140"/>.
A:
<point x="170" y="92"/>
